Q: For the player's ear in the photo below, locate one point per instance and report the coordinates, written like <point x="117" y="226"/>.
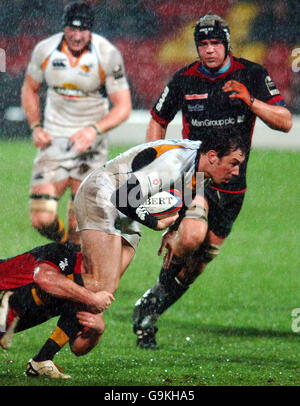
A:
<point x="212" y="156"/>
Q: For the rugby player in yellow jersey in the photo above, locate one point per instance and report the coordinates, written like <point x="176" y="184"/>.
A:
<point x="84" y="74"/>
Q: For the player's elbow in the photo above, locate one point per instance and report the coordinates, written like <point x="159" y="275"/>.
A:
<point x="287" y="121"/>
<point x="289" y="124"/>
<point x="41" y="278"/>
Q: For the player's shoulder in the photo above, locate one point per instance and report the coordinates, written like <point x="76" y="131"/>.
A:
<point x="47" y="45"/>
<point x="102" y="43"/>
<point x="53" y="252"/>
<point x="52" y="41"/>
<point x="249" y="65"/>
<point x="185" y="69"/>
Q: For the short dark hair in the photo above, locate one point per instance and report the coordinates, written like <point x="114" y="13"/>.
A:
<point x="223" y="141"/>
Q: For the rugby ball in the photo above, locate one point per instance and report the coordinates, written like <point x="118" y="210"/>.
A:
<point x="164" y="204"/>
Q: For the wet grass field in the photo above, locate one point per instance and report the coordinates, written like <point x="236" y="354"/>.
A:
<point x="232" y="328"/>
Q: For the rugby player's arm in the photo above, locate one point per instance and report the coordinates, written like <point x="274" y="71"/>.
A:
<point x="276" y="117"/>
<point x="56" y="284"/>
<point x="119" y="112"/>
<point x="155" y="131"/>
<point x="31" y="100"/>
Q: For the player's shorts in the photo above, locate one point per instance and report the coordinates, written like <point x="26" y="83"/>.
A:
<point x="95" y="211"/>
<point x="223" y="210"/>
<point x="58" y="161"/>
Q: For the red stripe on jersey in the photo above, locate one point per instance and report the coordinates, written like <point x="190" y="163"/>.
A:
<point x="275" y="99"/>
<point x="44" y="261"/>
<point x="77" y="267"/>
<point x="17" y="271"/>
<point x="193" y="70"/>
<point x="229" y="191"/>
<point x="196" y="96"/>
<point x="161" y="121"/>
<point x="185" y="127"/>
<point x="252" y="130"/>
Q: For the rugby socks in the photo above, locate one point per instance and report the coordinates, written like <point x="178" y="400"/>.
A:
<point x="67" y="327"/>
<point x="54" y="343"/>
<point x="160" y="297"/>
<point x="55" y="231"/>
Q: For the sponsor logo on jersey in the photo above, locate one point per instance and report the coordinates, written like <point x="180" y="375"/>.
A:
<point x="240" y="119"/>
<point x="69" y="90"/>
<point x="162" y="98"/>
<point x="118" y="72"/>
<point x="59" y="63"/>
<point x="196" y="96"/>
<point x="141" y="211"/>
<point x="271" y="86"/>
<point x="195" y="107"/>
<point x="86" y="68"/>
<point x="214" y="123"/>
<point x="63" y="264"/>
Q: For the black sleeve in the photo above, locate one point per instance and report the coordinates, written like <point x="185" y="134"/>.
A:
<point x="63" y="256"/>
<point x="169" y="101"/>
<point x="129" y="201"/>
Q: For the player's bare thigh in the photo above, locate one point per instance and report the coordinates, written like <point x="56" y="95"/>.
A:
<point x="106" y="257"/>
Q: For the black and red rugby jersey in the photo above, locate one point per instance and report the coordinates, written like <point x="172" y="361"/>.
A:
<point x="18" y="271"/>
<point x="204" y="105"/>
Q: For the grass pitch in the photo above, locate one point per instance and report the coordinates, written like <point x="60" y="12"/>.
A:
<point x="232" y="328"/>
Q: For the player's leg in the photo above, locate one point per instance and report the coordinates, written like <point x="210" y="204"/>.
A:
<point x="171" y="285"/>
<point x="66" y="329"/>
<point x="175" y="281"/>
<point x="73" y="235"/>
<point x="43" y="210"/>
<point x="102" y="255"/>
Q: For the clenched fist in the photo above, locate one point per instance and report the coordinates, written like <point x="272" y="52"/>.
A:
<point x="239" y="91"/>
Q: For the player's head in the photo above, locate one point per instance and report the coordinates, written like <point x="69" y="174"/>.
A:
<point x="78" y="14"/>
<point x="212" y="29"/>
<point x="212" y="26"/>
<point x="224" y="152"/>
<point x="78" y="19"/>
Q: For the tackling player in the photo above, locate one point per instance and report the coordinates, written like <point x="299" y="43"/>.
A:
<point x="45" y="282"/>
<point x="84" y="74"/>
<point x="219" y="91"/>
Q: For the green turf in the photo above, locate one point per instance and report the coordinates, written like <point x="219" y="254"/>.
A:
<point x="234" y="325"/>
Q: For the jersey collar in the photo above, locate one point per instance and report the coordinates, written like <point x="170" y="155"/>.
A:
<point x="195" y="70"/>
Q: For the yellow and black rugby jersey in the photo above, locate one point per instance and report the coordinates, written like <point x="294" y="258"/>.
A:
<point x="77" y="94"/>
<point x="204" y="105"/>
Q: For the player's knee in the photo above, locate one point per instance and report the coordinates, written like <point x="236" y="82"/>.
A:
<point x="43" y="210"/>
<point x="191" y="241"/>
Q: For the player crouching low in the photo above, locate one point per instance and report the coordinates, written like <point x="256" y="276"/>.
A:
<point x="46" y="282"/>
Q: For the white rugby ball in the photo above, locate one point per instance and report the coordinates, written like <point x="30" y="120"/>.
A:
<point x="164" y="204"/>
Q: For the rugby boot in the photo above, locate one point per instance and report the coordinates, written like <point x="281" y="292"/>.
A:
<point x="146" y="338"/>
<point x="45" y="369"/>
